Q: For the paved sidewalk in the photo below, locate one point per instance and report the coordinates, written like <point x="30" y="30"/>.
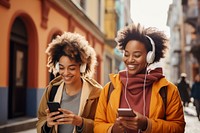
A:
<point x="192" y="122"/>
<point x="28" y="131"/>
<point x="18" y="124"/>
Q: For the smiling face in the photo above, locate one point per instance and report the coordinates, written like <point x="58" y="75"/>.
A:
<point x="69" y="70"/>
<point x="135" y="57"/>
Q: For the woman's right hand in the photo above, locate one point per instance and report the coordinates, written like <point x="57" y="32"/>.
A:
<point x="51" y="119"/>
<point x="117" y="127"/>
<point x="139" y="122"/>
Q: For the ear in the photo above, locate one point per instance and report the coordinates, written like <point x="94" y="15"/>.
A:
<point x="83" y="67"/>
<point x="57" y="67"/>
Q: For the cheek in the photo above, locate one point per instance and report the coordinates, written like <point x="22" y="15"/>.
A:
<point x="124" y="59"/>
<point x="143" y="62"/>
<point x="76" y="72"/>
<point x="61" y="71"/>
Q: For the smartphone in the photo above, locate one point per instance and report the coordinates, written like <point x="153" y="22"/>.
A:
<point x="126" y="112"/>
<point x="53" y="106"/>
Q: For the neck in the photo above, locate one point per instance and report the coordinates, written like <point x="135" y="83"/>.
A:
<point x="74" y="88"/>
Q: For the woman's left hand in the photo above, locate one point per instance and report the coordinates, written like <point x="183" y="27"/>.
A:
<point x="139" y="122"/>
<point x="68" y="117"/>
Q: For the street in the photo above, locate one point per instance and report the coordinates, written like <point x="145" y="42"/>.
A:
<point x="192" y="122"/>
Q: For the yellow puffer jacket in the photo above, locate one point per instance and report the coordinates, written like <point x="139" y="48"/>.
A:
<point x="174" y="123"/>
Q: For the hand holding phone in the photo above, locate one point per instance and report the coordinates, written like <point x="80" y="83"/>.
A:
<point x="53" y="107"/>
<point x="126" y="112"/>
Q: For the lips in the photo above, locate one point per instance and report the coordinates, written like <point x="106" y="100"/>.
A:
<point x="67" y="78"/>
<point x="131" y="67"/>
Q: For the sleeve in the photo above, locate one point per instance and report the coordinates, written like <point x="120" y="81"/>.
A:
<point x="89" y="112"/>
<point x="46" y="129"/>
<point x="41" y="114"/>
<point x="80" y="129"/>
<point x="101" y="124"/>
<point x="174" y="122"/>
<point x="88" y="124"/>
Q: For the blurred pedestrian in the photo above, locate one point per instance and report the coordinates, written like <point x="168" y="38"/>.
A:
<point x="74" y="59"/>
<point x="195" y="93"/>
<point x="184" y="89"/>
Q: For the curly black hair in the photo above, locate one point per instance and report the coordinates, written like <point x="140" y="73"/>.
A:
<point x="140" y="33"/>
<point x="74" y="46"/>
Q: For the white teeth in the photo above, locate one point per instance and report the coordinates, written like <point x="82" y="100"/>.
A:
<point x="67" y="78"/>
<point x="131" y="66"/>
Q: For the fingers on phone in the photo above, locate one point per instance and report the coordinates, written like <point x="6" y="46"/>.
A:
<point x="53" y="114"/>
<point x="65" y="111"/>
<point x="56" y="116"/>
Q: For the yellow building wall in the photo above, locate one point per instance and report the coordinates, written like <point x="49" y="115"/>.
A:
<point x="110" y="19"/>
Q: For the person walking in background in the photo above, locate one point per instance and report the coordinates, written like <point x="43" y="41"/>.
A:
<point x="195" y="93"/>
<point x="140" y="89"/>
<point x="184" y="89"/>
<point x="74" y="59"/>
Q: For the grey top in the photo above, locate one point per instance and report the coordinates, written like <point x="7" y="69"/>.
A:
<point x="70" y="103"/>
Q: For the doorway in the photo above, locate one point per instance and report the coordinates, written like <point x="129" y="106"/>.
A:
<point x="18" y="70"/>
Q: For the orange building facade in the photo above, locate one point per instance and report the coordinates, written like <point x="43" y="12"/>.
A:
<point x="27" y="26"/>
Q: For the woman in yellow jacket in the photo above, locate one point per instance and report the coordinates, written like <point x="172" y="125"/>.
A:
<point x="139" y="88"/>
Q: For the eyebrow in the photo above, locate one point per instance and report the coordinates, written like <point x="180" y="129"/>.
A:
<point x="69" y="65"/>
<point x="133" y="51"/>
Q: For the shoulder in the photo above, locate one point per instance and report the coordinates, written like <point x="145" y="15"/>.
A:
<point x="92" y="83"/>
<point x="56" y="81"/>
<point x="164" y="82"/>
<point x="172" y="90"/>
<point x="115" y="79"/>
<point x="94" y="87"/>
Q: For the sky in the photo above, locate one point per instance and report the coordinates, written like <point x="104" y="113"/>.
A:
<point x="151" y="13"/>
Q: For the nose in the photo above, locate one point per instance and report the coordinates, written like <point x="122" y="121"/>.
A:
<point x="64" y="72"/>
<point x="131" y="59"/>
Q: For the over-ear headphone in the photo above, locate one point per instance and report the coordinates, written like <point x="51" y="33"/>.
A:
<point x="57" y="67"/>
<point x="83" y="67"/>
<point x="151" y="54"/>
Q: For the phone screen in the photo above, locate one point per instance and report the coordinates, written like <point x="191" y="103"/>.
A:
<point x="126" y="112"/>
